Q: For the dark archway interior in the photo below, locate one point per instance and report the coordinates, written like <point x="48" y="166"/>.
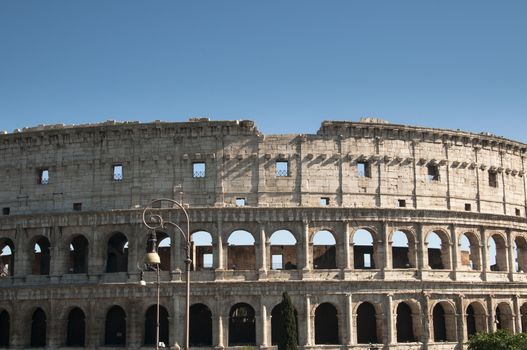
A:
<point x="115" y="327"/>
<point x="277" y="324"/>
<point x="79" y="255"/>
<point x="326" y="324"/>
<point x="242" y="328"/>
<point x="76" y="328"/>
<point x="471" y="321"/>
<point x="324" y="257"/>
<point x="5" y="326"/>
<point x="42" y="259"/>
<point x="405" y="332"/>
<point x="438" y="316"/>
<point x="200" y="325"/>
<point x="38" y="329"/>
<point x="117" y="254"/>
<point x="150" y="325"/>
<point x="366" y="324"/>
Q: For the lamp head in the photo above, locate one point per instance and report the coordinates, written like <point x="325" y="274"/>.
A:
<point x="151" y="256"/>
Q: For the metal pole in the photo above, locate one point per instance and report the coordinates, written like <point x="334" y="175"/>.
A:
<point x="157" y="312"/>
<point x="188" y="261"/>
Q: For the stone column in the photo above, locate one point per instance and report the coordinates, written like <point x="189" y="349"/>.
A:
<point x="422" y="250"/>
<point x="306" y="254"/>
<point x="491" y="314"/>
<point x="348" y="247"/>
<point x="390" y="330"/>
<point x="428" y="333"/>
<point x="460" y="320"/>
<point x="454" y="251"/>
<point x="517" y="314"/>
<point x="262" y="251"/>
<point x="510" y="254"/>
<point x="220" y="332"/>
<point x="387" y="254"/>
<point x="262" y="336"/>
<point x="133" y="321"/>
<point x="306" y="336"/>
<point x="350" y="334"/>
<point x="484" y="254"/>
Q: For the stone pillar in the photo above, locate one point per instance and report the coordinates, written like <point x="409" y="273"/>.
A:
<point x="348" y="247"/>
<point x="517" y="314"/>
<point x="306" y="336"/>
<point x="484" y="254"/>
<point x="262" y="335"/>
<point x="262" y="251"/>
<point x="422" y="249"/>
<point x="390" y="329"/>
<point x="491" y="319"/>
<point x="428" y="333"/>
<point x="386" y="244"/>
<point x="306" y="254"/>
<point x="134" y="323"/>
<point x="53" y="326"/>
<point x="510" y="255"/>
<point x="220" y="331"/>
<point x="454" y="251"/>
<point x="461" y="329"/>
<point x="94" y="325"/>
<point x="350" y="334"/>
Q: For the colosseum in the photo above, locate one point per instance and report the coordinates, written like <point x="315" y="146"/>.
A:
<point x="384" y="236"/>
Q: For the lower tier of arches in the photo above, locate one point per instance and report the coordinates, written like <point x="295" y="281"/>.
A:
<point x="229" y="315"/>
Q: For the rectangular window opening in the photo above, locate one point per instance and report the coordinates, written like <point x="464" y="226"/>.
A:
<point x="277" y="262"/>
<point x="518" y="212"/>
<point x="468" y="207"/>
<point x="117" y="172"/>
<point x="401" y="203"/>
<point x="43" y="176"/>
<point x="324" y="201"/>
<point x="240" y="202"/>
<point x="6" y="211"/>
<point x="207" y="261"/>
<point x="198" y="169"/>
<point x="433" y="172"/>
<point x="493" y="179"/>
<point x="363" y="169"/>
<point x="282" y="168"/>
<point x="77" y="206"/>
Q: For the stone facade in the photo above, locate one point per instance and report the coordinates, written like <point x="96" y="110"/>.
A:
<point x="71" y="235"/>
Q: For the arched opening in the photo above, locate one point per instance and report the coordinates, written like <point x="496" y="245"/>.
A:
<point x="242" y="325"/>
<point x="78" y="262"/>
<point x="366" y="324"/>
<point x="203" y="257"/>
<point x="363" y="250"/>
<point x="405" y="330"/>
<point x="7" y="257"/>
<point x="504" y="318"/>
<point x="438" y="317"/>
<point x="150" y="326"/>
<point x="38" y="329"/>
<point x="469" y="251"/>
<point x="76" y="328"/>
<point x="115" y="327"/>
<point x="520" y="252"/>
<point x="326" y="324"/>
<point x="476" y="319"/>
<point x="41" y="256"/>
<point x="117" y="260"/>
<point x="200" y="325"/>
<point x="241" y="252"/>
<point x="523" y="317"/>
<point x="324" y="250"/>
<point x="163" y="249"/>
<point x="277" y="323"/>
<point x="283" y="250"/>
<point x="438" y="251"/>
<point x="497" y="253"/>
<point x="5" y="328"/>
<point x="403" y="250"/>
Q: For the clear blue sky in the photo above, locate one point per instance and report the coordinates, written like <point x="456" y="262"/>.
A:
<point x="288" y="65"/>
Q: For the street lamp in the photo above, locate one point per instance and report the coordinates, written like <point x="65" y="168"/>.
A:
<point x="154" y="221"/>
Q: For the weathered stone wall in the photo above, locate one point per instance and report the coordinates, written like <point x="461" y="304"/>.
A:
<point x="475" y="293"/>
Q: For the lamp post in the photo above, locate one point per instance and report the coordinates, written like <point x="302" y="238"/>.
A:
<point x="154" y="221"/>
